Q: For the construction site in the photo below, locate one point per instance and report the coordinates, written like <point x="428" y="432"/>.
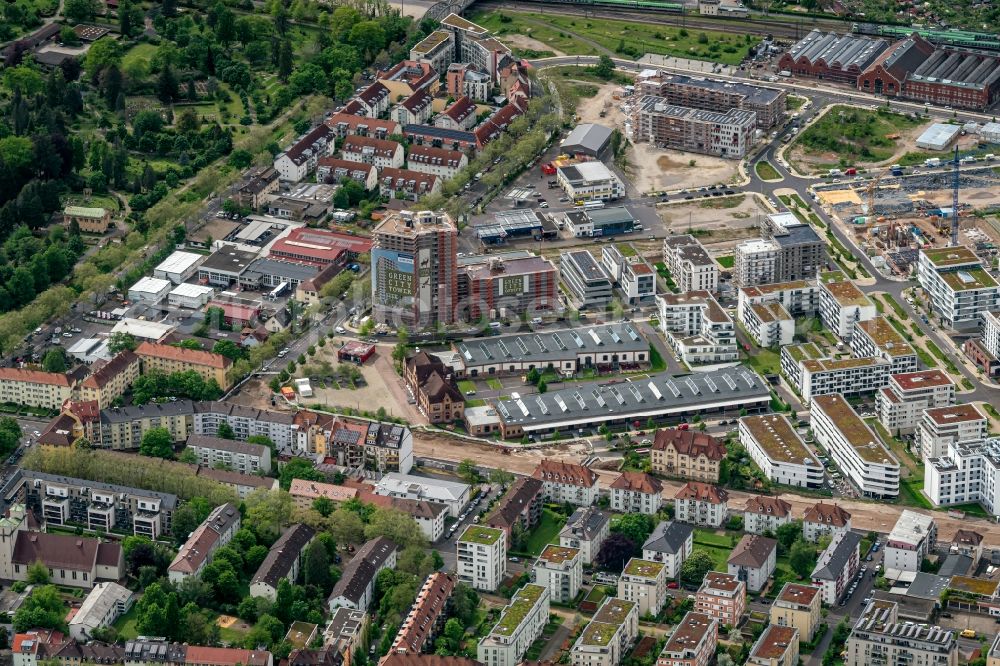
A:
<point x="894" y="214"/>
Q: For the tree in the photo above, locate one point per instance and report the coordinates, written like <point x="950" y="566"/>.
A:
<point x="119" y="342"/>
<point x="79" y="11"/>
<point x="802" y="558"/>
<point x="316" y="567"/>
<point x="696" y="567"/>
<point x="298" y="468"/>
<point x="454" y="631"/>
<point x="324" y="506"/>
<point x="188" y="516"/>
<point x="501" y="477"/>
<point x="467" y="470"/>
<point x="605" y="67"/>
<point x="346" y="526"/>
<point x="167" y="87"/>
<point x="225" y="431"/>
<point x="158" y="443"/>
<point x="788" y="533"/>
<point x="38" y="574"/>
<point x="464" y="600"/>
<point x="616" y="551"/>
<point x="44" y="609"/>
<point x="10" y="435"/>
<point x="54" y="360"/>
<point x="542" y="386"/>
<point x="269" y="510"/>
<point x="399" y="527"/>
<point x="636" y="527"/>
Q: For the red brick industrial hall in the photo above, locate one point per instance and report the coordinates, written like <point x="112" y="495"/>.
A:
<point x="911" y="69"/>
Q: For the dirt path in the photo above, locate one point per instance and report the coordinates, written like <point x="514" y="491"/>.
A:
<point x="600" y="49"/>
<point x="864" y="515"/>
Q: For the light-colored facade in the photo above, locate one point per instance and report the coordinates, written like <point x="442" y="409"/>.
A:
<point x="879" y="638"/>
<point x="567" y="482"/>
<point x="755" y="262"/>
<point x="606" y="640"/>
<point x="726" y="134"/>
<point x="701" y="504"/>
<point x="482" y="557"/>
<point x="753" y="560"/>
<point x="766" y="514"/>
<point x="231" y="454"/>
<point x="837" y="566"/>
<point x="967" y="473"/>
<point x="848" y="376"/>
<point x="34" y="388"/>
<point x="698" y="329"/>
<point x="777" y="646"/>
<point x="590" y="181"/>
<point x="645" y="583"/>
<point x="692" y="642"/>
<point x="902" y="402"/>
<point x="688" y="454"/>
<point x="105" y="603"/>
<point x="520" y="624"/>
<point x="912" y="539"/>
<point x="958" y="285"/>
<point x="636" y="492"/>
<point x="856" y="449"/>
<point x="111" y="380"/>
<point x="214" y="532"/>
<point x="841" y="305"/>
<point x="779" y="451"/>
<point x="587" y="283"/>
<point x="798" y="606"/>
<point x="169" y="359"/>
<point x="822" y="518"/>
<point x="453" y="494"/>
<point x="560" y="569"/>
<point x="689" y="264"/>
<point x="877" y="337"/>
<point x="722" y="596"/>
<point x="586" y="529"/>
<point x="670" y="543"/>
<point x="943" y="427"/>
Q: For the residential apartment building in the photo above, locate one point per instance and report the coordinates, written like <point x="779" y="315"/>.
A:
<point x="436" y="49"/>
<point x="256" y="188"/>
<point x="231" y="454"/>
<point x="722" y="597"/>
<point x="671" y="543"/>
<point x="609" y="635"/>
<point x="373" y="101"/>
<point x="560" y="570"/>
<point x="847" y="376"/>
<point x="901" y="403"/>
<point x="345" y="124"/>
<point x="841" y="305"/>
<point x="645" y="583"/>
<point x="407" y="185"/>
<point x="439" y="162"/>
<point x="464" y="79"/>
<point x="779" y="451"/>
<point x="586" y="529"/>
<point x="969" y="472"/>
<point x="34" y="388"/>
<point x="109" y="381"/>
<point x="788" y="251"/>
<point x="880" y="638"/>
<point x="768" y="311"/>
<point x="837" y="566"/>
<point x="482" y="557"/>
<point x="958" y="285"/>
<point x="283" y="561"/>
<point x="687" y="454"/>
<point x="427" y="615"/>
<point x="689" y="264"/>
<point x="753" y="560"/>
<point x="766" y="514"/>
<point x="590" y="181"/>
<point x="692" y="642"/>
<point x="798" y="606"/>
<point x="635" y="278"/>
<point x="564" y="482"/>
<point x="416" y="109"/>
<point x="701" y="504"/>
<point x="380" y="153"/>
<point x="911" y="540"/>
<point x="856" y="449"/>
<point x="214" y="532"/>
<point x="520" y="624"/>
<point x="944" y="427"/>
<point x="724" y="133"/>
<point x="822" y="518"/>
<point x="453" y="494"/>
<point x="878" y="338"/>
<point x="587" y="284"/>
<point x="769" y="324"/>
<point x="169" y="359"/>
<point x="68" y="502"/>
<point x="636" y="492"/>
<point x="356" y="587"/>
<point x="335" y="170"/>
<point x="299" y="160"/>
<point x="414" y="279"/>
<point x="777" y="646"/>
<point x="520" y="505"/>
<point x="697" y="328"/>
<point x="756" y="262"/>
<point x="703" y="93"/>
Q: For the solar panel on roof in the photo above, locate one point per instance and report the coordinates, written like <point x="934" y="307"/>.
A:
<point x="729" y="380"/>
<point x="614" y="336"/>
<point x="691" y="385"/>
<point x="595" y="337"/>
<point x="673" y="388"/>
<point x="465" y="352"/>
<point x="520" y="404"/>
<point x="541" y="344"/>
<point x="559" y="341"/>
<point x="748" y="379"/>
<point x="523" y="346"/>
<point x="541" y="405"/>
<point x="503" y="348"/>
<point x="577" y="339"/>
<point x="579" y="399"/>
<point x="711" y="385"/>
<point x="635" y="392"/>
<point x="617" y="395"/>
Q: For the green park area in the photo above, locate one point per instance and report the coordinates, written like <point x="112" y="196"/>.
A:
<point x="848" y="136"/>
<point x="766" y="171"/>
<point x="584" y="36"/>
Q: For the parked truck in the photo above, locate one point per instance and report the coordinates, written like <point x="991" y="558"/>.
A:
<point x="932" y="162"/>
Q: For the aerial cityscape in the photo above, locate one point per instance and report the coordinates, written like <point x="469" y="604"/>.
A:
<point x="499" y="333"/>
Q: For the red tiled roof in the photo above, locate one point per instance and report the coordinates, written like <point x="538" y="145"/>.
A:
<point x="954" y="414"/>
<point x="461" y="108"/>
<point x="770" y="506"/>
<point x="565" y="473"/>
<point x="702" y="492"/>
<point x="198" y="655"/>
<point x="639" y="482"/>
<point x="110" y="370"/>
<point x="193" y="356"/>
<point x="34" y="376"/>
<point x="382" y="147"/>
<point x="827" y="514"/>
<point x="405" y="179"/>
<point x="690" y="443"/>
<point x="909" y="381"/>
<point x="424" y="154"/>
<point x="353" y="121"/>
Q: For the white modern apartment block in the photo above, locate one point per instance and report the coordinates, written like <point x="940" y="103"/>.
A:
<point x="837" y="566"/>
<point x="520" y="624"/>
<point x="967" y="473"/>
<point x="452" y="494"/>
<point x="858" y="451"/>
<point x="482" y="557"/>
<point x="911" y="540"/>
<point x="769" y="324"/>
<point x="822" y="518"/>
<point x="902" y="402"/>
<point x="586" y="529"/>
<point x="841" y="305"/>
<point x="671" y="543"/>
<point x="767" y="312"/>
<point x="847" y="376"/>
<point x="879" y="637"/>
<point x="590" y="181"/>
<point x="606" y="640"/>
<point x="636" y="492"/>
<point x="959" y="286"/>
<point x="766" y="514"/>
<point x="755" y="262"/>
<point x="700" y="503"/>
<point x="645" y="583"/>
<point x="689" y="264"/>
<point x="991" y="333"/>
<point x="231" y="454"/>
<point x="778" y="450"/>
<point x="878" y="338"/>
<point x="567" y="482"/>
<point x="942" y="427"/>
<point x="635" y="278"/>
<point x="560" y="569"/>
<point x="698" y="329"/>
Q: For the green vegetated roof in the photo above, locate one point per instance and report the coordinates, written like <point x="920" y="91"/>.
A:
<point x="486" y="536"/>
<point x="644" y="568"/>
<point x="513" y="615"/>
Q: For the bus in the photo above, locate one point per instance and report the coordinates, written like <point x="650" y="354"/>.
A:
<point x="278" y="291"/>
<point x="592" y="205"/>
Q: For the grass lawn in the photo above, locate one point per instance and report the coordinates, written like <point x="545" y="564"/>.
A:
<point x="656" y="362"/>
<point x="126" y="625"/>
<point x="624" y="38"/>
<point x="581" y="73"/>
<point x="909" y="493"/>
<point x="546" y="532"/>
<point x="726" y="261"/>
<point x="766" y="171"/>
<point x="724" y="202"/>
<point x="765" y="362"/>
<point x="465" y="385"/>
<point x="794" y="102"/>
<point x="94" y="201"/>
<point x="973" y="510"/>
<point x="925" y="358"/>
<point x="855" y="135"/>
<point x="494" y="384"/>
<point x="895" y="305"/>
<point x="934" y="349"/>
<point x="136" y="53"/>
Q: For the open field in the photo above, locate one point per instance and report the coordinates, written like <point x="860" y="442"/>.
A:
<point x="583" y="36"/>
<point x="721" y="227"/>
<point x="656" y="169"/>
<point x="851" y="136"/>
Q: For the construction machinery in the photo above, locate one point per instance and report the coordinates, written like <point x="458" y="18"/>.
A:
<point x="954" y="200"/>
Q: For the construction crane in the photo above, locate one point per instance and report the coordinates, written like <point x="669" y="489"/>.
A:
<point x="870" y="192"/>
<point x="954" y="200"/>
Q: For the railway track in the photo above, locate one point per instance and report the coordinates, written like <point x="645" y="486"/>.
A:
<point x="781" y="27"/>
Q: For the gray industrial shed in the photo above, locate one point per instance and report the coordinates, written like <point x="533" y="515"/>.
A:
<point x="587" y="139"/>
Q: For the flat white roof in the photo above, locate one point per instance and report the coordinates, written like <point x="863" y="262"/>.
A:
<point x="191" y="290"/>
<point x="428" y="488"/>
<point x="148" y="330"/>
<point x="150" y="285"/>
<point x="178" y="262"/>
<point x="101" y="599"/>
<point x="784" y="219"/>
<point x="911" y="528"/>
<point x="594" y="171"/>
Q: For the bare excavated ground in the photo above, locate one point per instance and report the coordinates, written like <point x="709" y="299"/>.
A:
<point x="720" y="222"/>
<point x="655" y="169"/>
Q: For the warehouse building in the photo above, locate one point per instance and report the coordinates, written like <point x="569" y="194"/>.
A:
<point x="193" y="296"/>
<point x="179" y="266"/>
<point x="723" y="133"/>
<point x="938" y="136"/>
<point x="832" y="57"/>
<point x="224" y="267"/>
<point x="149" y="290"/>
<point x="587" y="139"/>
<point x="601" y="222"/>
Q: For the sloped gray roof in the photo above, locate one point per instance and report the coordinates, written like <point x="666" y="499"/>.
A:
<point x="668" y="537"/>
<point x="839" y="558"/>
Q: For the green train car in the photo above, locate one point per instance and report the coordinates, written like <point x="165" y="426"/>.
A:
<point x="960" y="38"/>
